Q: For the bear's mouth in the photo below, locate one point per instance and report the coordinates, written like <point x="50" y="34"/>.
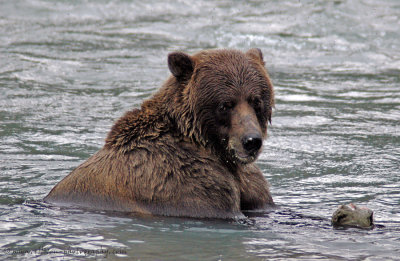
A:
<point x="242" y="157"/>
<point x="239" y="154"/>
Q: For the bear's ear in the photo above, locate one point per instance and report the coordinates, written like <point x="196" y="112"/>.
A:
<point x="181" y="65"/>
<point x="256" y="54"/>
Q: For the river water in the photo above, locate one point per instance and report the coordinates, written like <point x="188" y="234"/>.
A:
<point x="68" y="69"/>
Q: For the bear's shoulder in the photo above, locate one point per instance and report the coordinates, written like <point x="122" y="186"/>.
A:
<point x="135" y="127"/>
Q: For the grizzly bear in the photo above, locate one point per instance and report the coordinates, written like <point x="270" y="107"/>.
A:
<point x="189" y="150"/>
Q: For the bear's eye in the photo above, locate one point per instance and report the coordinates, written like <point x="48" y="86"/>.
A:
<point x="225" y="106"/>
<point x="257" y="104"/>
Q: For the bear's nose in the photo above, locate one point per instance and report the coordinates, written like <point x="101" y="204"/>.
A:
<point x="252" y="143"/>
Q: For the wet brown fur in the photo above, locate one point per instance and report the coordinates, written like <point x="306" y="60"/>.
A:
<point x="172" y="156"/>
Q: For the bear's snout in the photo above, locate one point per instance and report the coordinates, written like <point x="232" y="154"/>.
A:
<point x="252" y="143"/>
<point x="245" y="137"/>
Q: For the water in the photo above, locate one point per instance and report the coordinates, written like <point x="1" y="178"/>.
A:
<point x="68" y="69"/>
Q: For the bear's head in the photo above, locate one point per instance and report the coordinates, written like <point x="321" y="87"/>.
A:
<point x="225" y="101"/>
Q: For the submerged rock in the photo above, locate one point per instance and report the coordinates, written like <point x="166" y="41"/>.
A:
<point x="352" y="215"/>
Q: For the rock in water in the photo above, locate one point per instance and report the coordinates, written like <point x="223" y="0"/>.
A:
<point x="352" y="215"/>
